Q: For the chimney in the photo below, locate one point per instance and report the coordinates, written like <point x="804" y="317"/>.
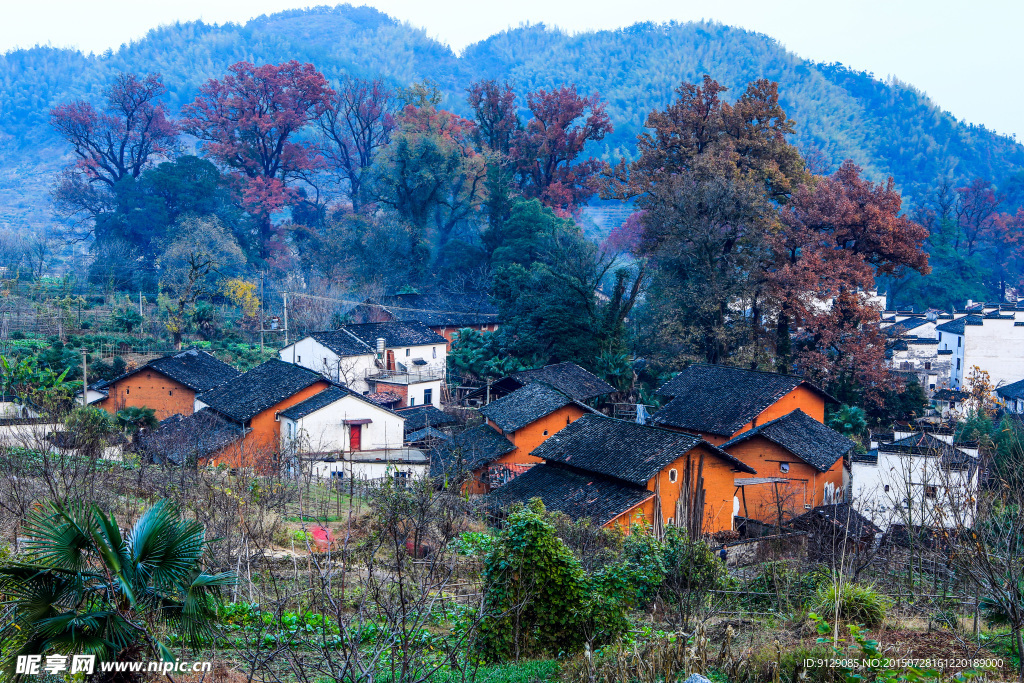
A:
<point x="381" y="344"/>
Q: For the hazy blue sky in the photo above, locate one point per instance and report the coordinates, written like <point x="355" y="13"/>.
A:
<point x="964" y="54"/>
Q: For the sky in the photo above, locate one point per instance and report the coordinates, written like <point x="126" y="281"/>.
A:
<point x="963" y="54"/>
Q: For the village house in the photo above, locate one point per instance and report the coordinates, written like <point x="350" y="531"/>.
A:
<point x="619" y="474"/>
<point x="1012" y="396"/>
<point x="918" y="479"/>
<point x="426" y="424"/>
<point x="443" y="312"/>
<point x="254" y="402"/>
<point x="717" y="402"/>
<point x="524" y="419"/>
<point x="568" y="378"/>
<point x="992" y="341"/>
<point x="168" y="385"/>
<point x="801" y="464"/>
<point x="912" y="349"/>
<point x="464" y="461"/>
<point x="952" y="404"/>
<point x="402" y="359"/>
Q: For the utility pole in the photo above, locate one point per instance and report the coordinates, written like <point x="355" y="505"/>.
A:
<point x="142" y="314"/>
<point x="85" y="380"/>
<point x="285" y="296"/>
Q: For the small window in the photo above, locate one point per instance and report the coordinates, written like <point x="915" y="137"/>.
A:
<point x="412" y="401"/>
<point x="408" y="352"/>
<point x="673" y="475"/>
<point x="957" y="363"/>
<point x="428" y="396"/>
<point x="545" y="432"/>
<point x="337" y="474"/>
<point x="887" y="488"/>
<point x="171" y="392"/>
<point x="277" y="416"/>
<point x="434" y="350"/>
<point x="568" y="421"/>
<point x="930" y="491"/>
<point x="931" y="386"/>
<point x="784" y="467"/>
<point x="299" y="360"/>
<point x="927" y="365"/>
<point x="958" y="339"/>
<point x="325" y="361"/>
<point x="127" y="391"/>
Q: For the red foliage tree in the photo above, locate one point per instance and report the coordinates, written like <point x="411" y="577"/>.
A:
<point x="497" y="122"/>
<point x="977" y="209"/>
<point x="248" y="121"/>
<point x="840" y="232"/>
<point x="546" y="152"/>
<point x="357" y="122"/>
<point x="118" y="142"/>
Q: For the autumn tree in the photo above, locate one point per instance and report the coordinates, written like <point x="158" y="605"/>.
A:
<point x="117" y="142"/>
<point x="840" y="233"/>
<point x="249" y="121"/>
<point x="497" y="120"/>
<point x="357" y="121"/>
<point x="547" y="150"/>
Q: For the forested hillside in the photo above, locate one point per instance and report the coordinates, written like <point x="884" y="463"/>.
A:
<point x="888" y="128"/>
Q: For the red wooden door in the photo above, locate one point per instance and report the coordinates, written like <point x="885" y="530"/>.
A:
<point x="355" y="434"/>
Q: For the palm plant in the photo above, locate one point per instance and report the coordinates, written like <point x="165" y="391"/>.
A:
<point x="134" y="419"/>
<point x="86" y="589"/>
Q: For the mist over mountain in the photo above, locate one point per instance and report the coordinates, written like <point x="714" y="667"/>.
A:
<point x="889" y="128"/>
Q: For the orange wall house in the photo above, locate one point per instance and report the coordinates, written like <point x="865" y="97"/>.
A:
<point x="802" y="398"/>
<point x="260" y="446"/>
<point x="149" y="389"/>
<point x="805" y="488"/>
<point x="719" y="493"/>
<point x="800" y="463"/>
<point x="527" y="438"/>
<point x="168" y="385"/>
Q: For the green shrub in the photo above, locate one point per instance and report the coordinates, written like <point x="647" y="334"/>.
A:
<point x="851" y="603"/>
<point x="473" y="544"/>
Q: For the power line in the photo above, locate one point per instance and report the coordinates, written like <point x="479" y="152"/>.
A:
<point x="388" y="307"/>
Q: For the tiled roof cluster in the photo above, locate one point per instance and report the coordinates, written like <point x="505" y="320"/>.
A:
<point x="622" y="449"/>
<point x="803" y="436"/>
<point x="421" y="417"/>
<point x="469" y="451"/>
<point x="526" y="405"/>
<point x="957" y="326"/>
<point x="577" y="494"/>
<point x="322" y="400"/>
<point x="568" y="378"/>
<point x="263" y="387"/>
<point x="343" y="342"/>
<point x="716" y="399"/>
<point x="194" y="368"/>
<point x="181" y="440"/>
<point x="395" y="333"/>
<point x="1014" y="390"/>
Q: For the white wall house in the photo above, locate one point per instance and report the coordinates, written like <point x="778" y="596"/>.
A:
<point x="1012" y="396"/>
<point x="919" y="479"/>
<point x="914" y="348"/>
<point x="994" y="342"/>
<point x="406" y="359"/>
<point x="337" y="420"/>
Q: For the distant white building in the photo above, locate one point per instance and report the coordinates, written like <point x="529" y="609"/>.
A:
<point x="1012" y="396"/>
<point x="993" y="341"/>
<point x="405" y="362"/>
<point x="913" y="348"/>
<point x="918" y="479"/>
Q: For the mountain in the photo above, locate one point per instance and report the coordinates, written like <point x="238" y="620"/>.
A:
<point x="887" y="127"/>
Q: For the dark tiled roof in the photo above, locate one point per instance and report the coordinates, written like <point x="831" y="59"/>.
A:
<point x="384" y="398"/>
<point x="568" y="378"/>
<point x="573" y="492"/>
<point x="950" y="395"/>
<point x="904" y="326"/>
<point x="261" y="388"/>
<point x="622" y="449"/>
<point x="920" y="440"/>
<point x="526" y="405"/>
<point x="840" y="518"/>
<point x="803" y="436"/>
<point x="343" y="343"/>
<point x="715" y="399"/>
<point x="183" y="440"/>
<point x="322" y="400"/>
<point x="1014" y="390"/>
<point x="420" y="417"/>
<point x="396" y="333"/>
<point x="957" y="326"/>
<point x="425" y="434"/>
<point x="196" y="369"/>
<point x="468" y="451"/>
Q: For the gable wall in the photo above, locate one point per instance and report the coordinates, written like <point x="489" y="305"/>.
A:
<point x="528" y="438"/>
<point x="802" y="397"/>
<point x="261" y="443"/>
<point x="325" y="430"/>
<point x="150" y="389"/>
<point x="807" y="487"/>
